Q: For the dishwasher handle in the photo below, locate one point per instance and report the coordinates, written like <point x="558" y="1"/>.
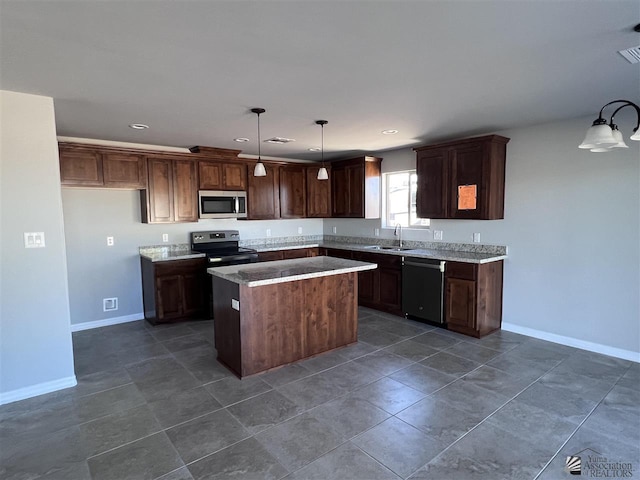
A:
<point x="439" y="266"/>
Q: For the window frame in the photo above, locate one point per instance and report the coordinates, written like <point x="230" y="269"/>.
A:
<point x="385" y="203"/>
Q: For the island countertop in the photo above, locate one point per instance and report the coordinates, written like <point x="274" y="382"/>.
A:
<point x="279" y="271"/>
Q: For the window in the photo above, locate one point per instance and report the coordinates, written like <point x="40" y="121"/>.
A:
<point x="400" y="200"/>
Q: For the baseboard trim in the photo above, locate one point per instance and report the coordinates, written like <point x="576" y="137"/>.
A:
<point x="77" y="327"/>
<point x="573" y="342"/>
<point x="39" y="389"/>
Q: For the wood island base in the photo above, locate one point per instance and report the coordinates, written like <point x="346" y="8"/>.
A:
<point x="276" y="324"/>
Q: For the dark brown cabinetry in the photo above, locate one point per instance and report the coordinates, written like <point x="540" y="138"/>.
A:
<point x="222" y="176"/>
<point x="473" y="297"/>
<point x="293" y="191"/>
<point x="263" y="197"/>
<point x="172" y="191"/>
<point x="318" y="194"/>
<point x="173" y="290"/>
<point x="355" y="187"/>
<point x="462" y="179"/>
<point x="90" y="167"/>
<point x="287" y="254"/>
<point x="381" y="288"/>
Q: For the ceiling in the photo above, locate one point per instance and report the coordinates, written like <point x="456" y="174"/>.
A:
<point x="434" y="70"/>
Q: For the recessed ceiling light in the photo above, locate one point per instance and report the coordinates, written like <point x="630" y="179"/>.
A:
<point x="389" y="132"/>
<point x="241" y="139"/>
<point x="138" y="126"/>
<point x="315" y="149"/>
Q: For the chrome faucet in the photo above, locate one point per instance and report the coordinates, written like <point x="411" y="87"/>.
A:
<point x="398" y="233"/>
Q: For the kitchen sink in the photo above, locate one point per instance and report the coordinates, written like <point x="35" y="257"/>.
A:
<point x="389" y="249"/>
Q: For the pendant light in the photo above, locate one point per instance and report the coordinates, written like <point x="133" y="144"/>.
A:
<point x="259" y="170"/>
<point x="322" y="172"/>
<point x="602" y="137"/>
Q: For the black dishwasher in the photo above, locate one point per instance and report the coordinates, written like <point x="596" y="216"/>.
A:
<point x="423" y="288"/>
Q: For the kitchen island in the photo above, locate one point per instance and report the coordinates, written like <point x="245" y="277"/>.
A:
<point x="273" y="313"/>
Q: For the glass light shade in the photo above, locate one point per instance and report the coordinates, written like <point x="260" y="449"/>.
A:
<point x="259" y="171"/>
<point x="636" y="136"/>
<point x="598" y="136"/>
<point x="322" y="174"/>
<point x="617" y="134"/>
<point x="602" y="150"/>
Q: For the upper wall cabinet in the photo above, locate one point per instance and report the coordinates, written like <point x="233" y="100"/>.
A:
<point x="293" y="191"/>
<point x="263" y="194"/>
<point x="462" y="179"/>
<point x="172" y="193"/>
<point x="318" y="194"/>
<point x="86" y="166"/>
<point x="355" y="187"/>
<point x="222" y="176"/>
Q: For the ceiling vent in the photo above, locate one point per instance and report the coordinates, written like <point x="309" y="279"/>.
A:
<point x="279" y="140"/>
<point x="631" y="54"/>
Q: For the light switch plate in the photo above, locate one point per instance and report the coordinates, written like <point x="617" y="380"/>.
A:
<point x="299" y="230"/>
<point x="476" y="238"/>
<point x="235" y="304"/>
<point x="34" y="240"/>
<point x="335" y="229"/>
<point x="165" y="237"/>
<point x="268" y="232"/>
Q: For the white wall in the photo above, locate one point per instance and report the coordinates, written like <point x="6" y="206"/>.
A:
<point x="97" y="271"/>
<point x="35" y="338"/>
<point x="572" y="227"/>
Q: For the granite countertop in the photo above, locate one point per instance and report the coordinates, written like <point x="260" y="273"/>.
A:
<point x="163" y="253"/>
<point x="280" y="271"/>
<point x="436" y="254"/>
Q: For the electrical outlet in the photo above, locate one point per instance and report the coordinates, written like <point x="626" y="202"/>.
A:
<point x="33" y="239"/>
<point x="235" y="304"/>
<point x="437" y="234"/>
<point x="476" y="238"/>
<point x="299" y="230"/>
<point x="109" y="241"/>
<point x="109" y="304"/>
<point x="165" y="237"/>
<point x="268" y="232"/>
<point x="335" y="229"/>
<point x="376" y="232"/>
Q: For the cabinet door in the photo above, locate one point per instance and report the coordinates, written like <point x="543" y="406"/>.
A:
<point x="160" y="191"/>
<point x="193" y="283"/>
<point x="391" y="288"/>
<point x="82" y="167"/>
<point x="234" y="176"/>
<point x="368" y="282"/>
<point x="466" y="178"/>
<point x="460" y="298"/>
<point x="169" y="297"/>
<point x="318" y="194"/>
<point x="433" y="179"/>
<point x="340" y="192"/>
<point x="185" y="191"/>
<point x="293" y="197"/>
<point x="356" y="191"/>
<point x="122" y="170"/>
<point x="210" y="175"/>
<point x="263" y="199"/>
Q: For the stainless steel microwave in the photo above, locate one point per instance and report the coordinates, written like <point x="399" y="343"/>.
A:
<point x="222" y="204"/>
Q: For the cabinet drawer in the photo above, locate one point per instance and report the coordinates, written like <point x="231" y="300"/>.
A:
<point x="176" y="267"/>
<point x="335" y="252"/>
<point x="466" y="271"/>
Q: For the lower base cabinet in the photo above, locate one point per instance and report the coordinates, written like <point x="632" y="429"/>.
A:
<point x="380" y="289"/>
<point x="287" y="254"/>
<point x="473" y="297"/>
<point x="173" y="290"/>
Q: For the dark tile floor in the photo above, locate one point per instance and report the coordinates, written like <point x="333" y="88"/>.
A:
<point x="407" y="401"/>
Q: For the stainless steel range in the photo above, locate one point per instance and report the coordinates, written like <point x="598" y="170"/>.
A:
<point x="221" y="248"/>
